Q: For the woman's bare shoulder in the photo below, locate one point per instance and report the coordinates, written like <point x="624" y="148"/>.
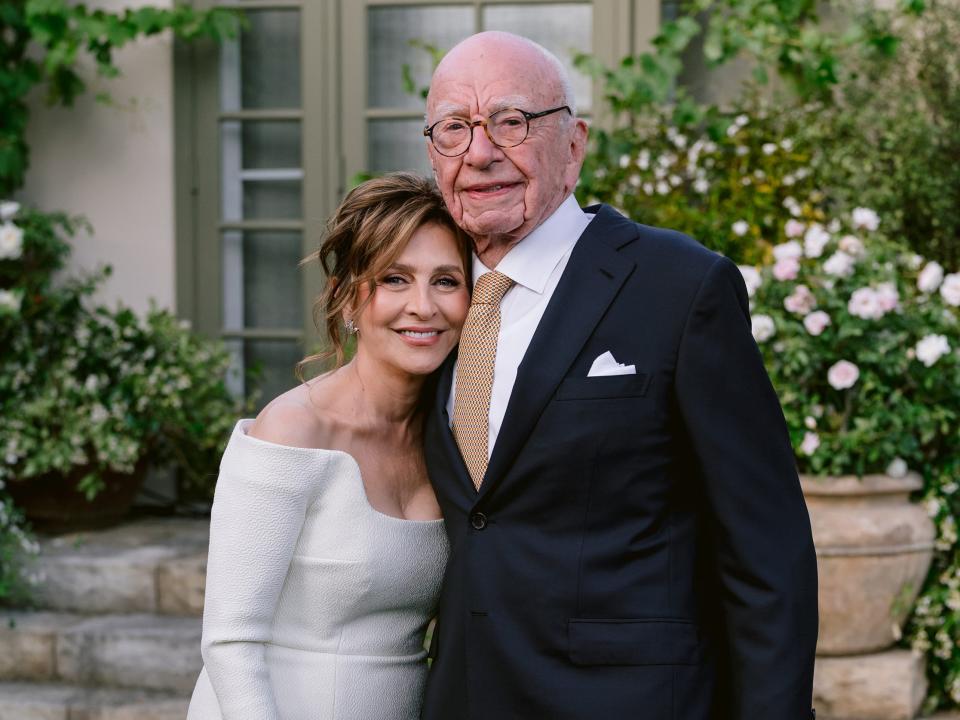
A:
<point x="295" y="419"/>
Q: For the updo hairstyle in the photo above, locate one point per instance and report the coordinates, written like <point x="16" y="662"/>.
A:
<point x="365" y="235"/>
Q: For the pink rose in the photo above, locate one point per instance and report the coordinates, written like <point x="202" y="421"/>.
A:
<point x="842" y="375"/>
<point x="801" y="301"/>
<point x="786" y="269"/>
<point x="811" y="441"/>
<point x="816" y="322"/>
<point x="794" y="228"/>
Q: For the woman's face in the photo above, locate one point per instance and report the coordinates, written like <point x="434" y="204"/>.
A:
<point x="420" y="303"/>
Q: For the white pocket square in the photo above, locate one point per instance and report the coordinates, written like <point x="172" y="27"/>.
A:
<point x="605" y="365"/>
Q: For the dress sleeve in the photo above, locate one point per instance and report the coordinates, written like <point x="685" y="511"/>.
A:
<point x="259" y="507"/>
<point x="761" y="531"/>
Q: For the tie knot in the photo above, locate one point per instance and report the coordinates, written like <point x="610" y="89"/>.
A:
<point x="490" y="288"/>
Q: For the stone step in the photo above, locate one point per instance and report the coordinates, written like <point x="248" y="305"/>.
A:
<point x="132" y="651"/>
<point x="41" y="701"/>
<point x="156" y="565"/>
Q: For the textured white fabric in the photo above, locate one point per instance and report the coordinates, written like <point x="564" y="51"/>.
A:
<point x="535" y="265"/>
<point x="316" y="604"/>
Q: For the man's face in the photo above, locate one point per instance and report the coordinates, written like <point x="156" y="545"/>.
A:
<point x="498" y="195"/>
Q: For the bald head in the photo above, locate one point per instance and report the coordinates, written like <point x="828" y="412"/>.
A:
<point x="500" y="193"/>
<point x="533" y="60"/>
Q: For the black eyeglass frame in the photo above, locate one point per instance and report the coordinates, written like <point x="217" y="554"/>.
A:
<point x="482" y="122"/>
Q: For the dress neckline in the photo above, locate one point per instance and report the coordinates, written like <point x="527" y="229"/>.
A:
<point x="242" y="426"/>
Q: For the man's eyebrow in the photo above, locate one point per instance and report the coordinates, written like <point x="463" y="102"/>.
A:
<point x="448" y="109"/>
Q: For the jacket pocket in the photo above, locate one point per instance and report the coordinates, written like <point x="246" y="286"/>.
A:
<point x="633" y="642"/>
<point x="608" y="386"/>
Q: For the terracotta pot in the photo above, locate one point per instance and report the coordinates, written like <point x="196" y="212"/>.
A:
<point x="874" y="548"/>
<point x="52" y="503"/>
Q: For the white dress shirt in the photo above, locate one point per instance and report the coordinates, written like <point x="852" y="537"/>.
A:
<point x="535" y="265"/>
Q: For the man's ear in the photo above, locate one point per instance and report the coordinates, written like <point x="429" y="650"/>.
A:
<point x="578" y="150"/>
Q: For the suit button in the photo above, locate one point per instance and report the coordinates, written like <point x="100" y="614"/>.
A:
<point x="478" y="520"/>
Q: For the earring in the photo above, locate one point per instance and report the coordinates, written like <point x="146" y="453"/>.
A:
<point x="351" y="327"/>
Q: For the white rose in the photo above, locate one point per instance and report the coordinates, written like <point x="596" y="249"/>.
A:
<point x="843" y="374"/>
<point x="762" y="327"/>
<point x="751" y="278"/>
<point x="816" y="322"/>
<point x="648" y="188"/>
<point x="740" y="228"/>
<point x="662" y="188"/>
<point x="866" y="219"/>
<point x="624" y="161"/>
<point x="930" y="277"/>
<point x="741" y="120"/>
<point x="787" y="144"/>
<point x="931" y="348"/>
<point x="786" y="269"/>
<point x="888" y="296"/>
<point x="794" y="228"/>
<point x="897" y="468"/>
<point x="643" y="161"/>
<point x="701" y="185"/>
<point x="811" y="441"/>
<point x="769" y="148"/>
<point x="8" y="209"/>
<point x="950" y="289"/>
<point x="11" y="241"/>
<point x="815" y="240"/>
<point x="810" y="422"/>
<point x="791" y="249"/>
<point x="833" y="226"/>
<point x="10" y="300"/>
<point x="852" y="246"/>
<point x="839" y="264"/>
<point x="801" y="301"/>
<point x="865" y="303"/>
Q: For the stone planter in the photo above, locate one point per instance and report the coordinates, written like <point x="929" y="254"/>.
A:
<point x="52" y="503"/>
<point x="874" y="548"/>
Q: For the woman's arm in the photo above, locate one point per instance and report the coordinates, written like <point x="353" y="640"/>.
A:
<point x="258" y="512"/>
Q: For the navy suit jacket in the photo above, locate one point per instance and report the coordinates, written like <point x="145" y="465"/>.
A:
<point x="639" y="547"/>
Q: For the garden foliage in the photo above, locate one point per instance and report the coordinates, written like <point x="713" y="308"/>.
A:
<point x="83" y="386"/>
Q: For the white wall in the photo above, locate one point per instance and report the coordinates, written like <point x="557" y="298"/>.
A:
<point x="114" y="165"/>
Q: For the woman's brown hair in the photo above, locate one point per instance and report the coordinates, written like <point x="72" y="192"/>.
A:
<point x="363" y="237"/>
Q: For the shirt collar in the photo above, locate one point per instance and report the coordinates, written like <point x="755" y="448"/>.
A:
<point x="532" y="260"/>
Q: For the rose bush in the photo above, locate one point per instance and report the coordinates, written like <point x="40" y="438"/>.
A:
<point x="860" y="337"/>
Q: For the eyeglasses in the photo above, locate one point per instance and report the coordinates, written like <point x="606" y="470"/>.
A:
<point x="505" y="128"/>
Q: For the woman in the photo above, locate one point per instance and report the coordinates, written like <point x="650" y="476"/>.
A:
<point x="326" y="544"/>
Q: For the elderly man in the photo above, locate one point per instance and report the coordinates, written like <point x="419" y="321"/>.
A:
<point x="628" y="535"/>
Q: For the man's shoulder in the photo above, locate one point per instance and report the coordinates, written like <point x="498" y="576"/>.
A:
<point x="653" y="245"/>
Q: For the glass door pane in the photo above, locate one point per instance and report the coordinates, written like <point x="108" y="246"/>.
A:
<point x="261" y="198"/>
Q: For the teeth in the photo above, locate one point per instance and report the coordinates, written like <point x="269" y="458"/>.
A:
<point x="413" y="334"/>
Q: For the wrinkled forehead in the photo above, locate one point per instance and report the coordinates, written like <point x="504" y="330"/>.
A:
<point x="472" y="83"/>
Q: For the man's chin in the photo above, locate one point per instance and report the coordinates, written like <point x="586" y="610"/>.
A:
<point x="492" y="224"/>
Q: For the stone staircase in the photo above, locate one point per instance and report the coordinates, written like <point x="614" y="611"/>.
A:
<point x="116" y="631"/>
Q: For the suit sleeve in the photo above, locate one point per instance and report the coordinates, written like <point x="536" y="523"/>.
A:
<point x="763" y="544"/>
<point x="258" y="512"/>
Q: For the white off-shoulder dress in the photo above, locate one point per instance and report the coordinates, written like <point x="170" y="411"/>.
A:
<point x="316" y="604"/>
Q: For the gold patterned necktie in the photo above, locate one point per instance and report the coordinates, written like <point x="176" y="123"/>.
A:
<point x="478" y="350"/>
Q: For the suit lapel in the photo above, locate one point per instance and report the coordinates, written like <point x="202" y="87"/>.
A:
<point x="448" y="444"/>
<point x="593" y="277"/>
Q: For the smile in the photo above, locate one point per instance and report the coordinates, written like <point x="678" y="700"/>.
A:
<point x="415" y="334"/>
